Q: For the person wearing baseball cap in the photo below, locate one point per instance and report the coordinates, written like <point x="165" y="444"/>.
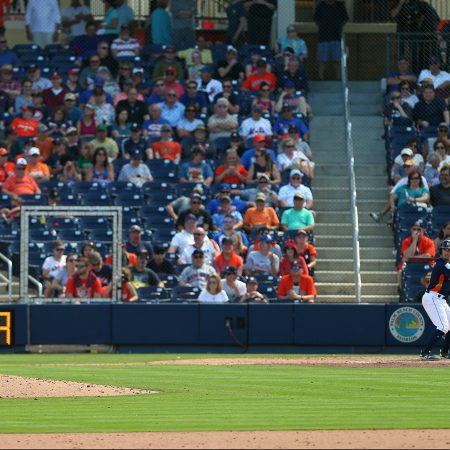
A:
<point x="293" y="42"/>
<point x="136" y="171"/>
<point x="263" y="260"/>
<point x="196" y="209"/>
<point x="141" y="275"/>
<point x="417" y="244"/>
<point x="198" y="273"/>
<point x="228" y="257"/>
<point x="102" y="140"/>
<point x="169" y="60"/>
<point x="160" y="264"/>
<point x="288" y="103"/>
<point x="298" y="217"/>
<point x="209" y="85"/>
<point x="255" y="124"/>
<point x="136" y="142"/>
<point x="252" y="295"/>
<point x="19" y="183"/>
<point x="37" y="169"/>
<point x="73" y="113"/>
<point x="286" y="192"/>
<point x="233" y="287"/>
<point x="297" y="286"/>
<point x="135" y="243"/>
<point x="260" y="214"/>
<point x="166" y="147"/>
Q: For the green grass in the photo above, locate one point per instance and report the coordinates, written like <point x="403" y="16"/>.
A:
<point x="206" y="398"/>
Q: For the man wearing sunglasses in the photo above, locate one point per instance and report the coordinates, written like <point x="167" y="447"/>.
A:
<point x="297" y="286"/>
<point x="196" y="209"/>
<point x="295" y="186"/>
<point x="198" y="273"/>
<point x="83" y="283"/>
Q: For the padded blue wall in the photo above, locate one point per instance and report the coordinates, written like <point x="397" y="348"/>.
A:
<point x="192" y="324"/>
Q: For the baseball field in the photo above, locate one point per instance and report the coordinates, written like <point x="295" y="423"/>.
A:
<point x="222" y="401"/>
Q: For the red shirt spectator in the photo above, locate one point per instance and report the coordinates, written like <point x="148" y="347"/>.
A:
<point x="83" y="284"/>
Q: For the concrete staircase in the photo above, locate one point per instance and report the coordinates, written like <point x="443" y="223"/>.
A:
<point x="333" y="232"/>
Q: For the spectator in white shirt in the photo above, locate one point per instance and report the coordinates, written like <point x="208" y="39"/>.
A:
<point x="185" y="237"/>
<point x="75" y="17"/>
<point x="440" y="78"/>
<point x="136" y="171"/>
<point x="213" y="293"/>
<point x="42" y="21"/>
<point x="286" y="193"/>
<point x="202" y="242"/>
<point x="256" y="124"/>
<point x="209" y="85"/>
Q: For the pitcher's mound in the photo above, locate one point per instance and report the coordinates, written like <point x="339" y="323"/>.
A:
<point x="23" y="387"/>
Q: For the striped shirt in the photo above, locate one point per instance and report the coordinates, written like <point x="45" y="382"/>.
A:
<point x="125" y="48"/>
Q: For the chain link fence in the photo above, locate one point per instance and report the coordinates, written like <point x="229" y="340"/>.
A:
<point x="421" y="32"/>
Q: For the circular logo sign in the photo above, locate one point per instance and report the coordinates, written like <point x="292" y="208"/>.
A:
<point x="406" y="324"/>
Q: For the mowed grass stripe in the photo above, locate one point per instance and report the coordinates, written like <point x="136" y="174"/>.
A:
<point x="235" y="398"/>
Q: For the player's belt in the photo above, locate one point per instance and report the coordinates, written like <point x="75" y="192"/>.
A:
<point x="436" y="293"/>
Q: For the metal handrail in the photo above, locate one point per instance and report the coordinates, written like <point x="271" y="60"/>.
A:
<point x="8" y="279"/>
<point x="351" y="174"/>
<point x="38" y="284"/>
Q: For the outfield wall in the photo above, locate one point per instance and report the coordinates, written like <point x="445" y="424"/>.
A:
<point x="182" y="326"/>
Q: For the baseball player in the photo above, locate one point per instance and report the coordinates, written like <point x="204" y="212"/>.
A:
<point x="435" y="304"/>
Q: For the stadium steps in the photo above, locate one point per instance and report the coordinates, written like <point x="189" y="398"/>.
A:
<point x="330" y="276"/>
<point x="333" y="230"/>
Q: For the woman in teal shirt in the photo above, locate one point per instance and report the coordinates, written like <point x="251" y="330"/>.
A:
<point x="412" y="193"/>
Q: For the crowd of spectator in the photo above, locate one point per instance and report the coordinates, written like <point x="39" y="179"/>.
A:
<point x="416" y="120"/>
<point x="215" y="136"/>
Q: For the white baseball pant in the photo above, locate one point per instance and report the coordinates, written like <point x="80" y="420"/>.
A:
<point x="437" y="309"/>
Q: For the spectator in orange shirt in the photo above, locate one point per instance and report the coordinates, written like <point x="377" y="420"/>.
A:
<point x="167" y="148"/>
<point x="25" y="125"/>
<point x="6" y="167"/>
<point x="307" y="250"/>
<point x="228" y="257"/>
<point x="297" y="285"/>
<point x="417" y="245"/>
<point x="260" y="215"/>
<point x="36" y="169"/>
<point x="231" y="170"/>
<point x="19" y="183"/>
<point x="44" y="142"/>
<point x="253" y="82"/>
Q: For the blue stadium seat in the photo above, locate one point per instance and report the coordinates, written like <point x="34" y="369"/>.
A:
<point x="170" y="281"/>
<point x="153" y="294"/>
<point x="20" y="49"/>
<point x="185" y="294"/>
<point x="71" y="235"/>
<point x="95" y="198"/>
<point x="114" y="186"/>
<point x="33" y="199"/>
<point x="411" y="274"/>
